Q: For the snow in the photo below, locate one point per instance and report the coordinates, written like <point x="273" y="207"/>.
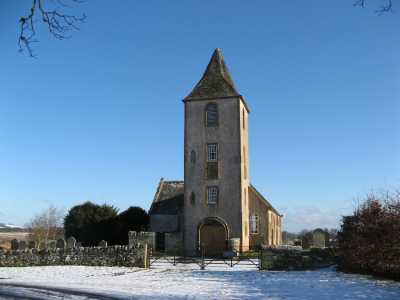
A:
<point x="9" y="226"/>
<point x="189" y="282"/>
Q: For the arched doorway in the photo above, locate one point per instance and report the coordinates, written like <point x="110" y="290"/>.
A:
<point x="213" y="234"/>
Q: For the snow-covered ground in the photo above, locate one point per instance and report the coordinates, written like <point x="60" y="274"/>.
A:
<point x="189" y="282"/>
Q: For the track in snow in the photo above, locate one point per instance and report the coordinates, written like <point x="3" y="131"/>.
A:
<point x="27" y="292"/>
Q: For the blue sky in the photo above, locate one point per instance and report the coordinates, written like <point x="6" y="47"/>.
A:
<point x="99" y="116"/>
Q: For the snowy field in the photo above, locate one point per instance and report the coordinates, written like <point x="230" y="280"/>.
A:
<point x="188" y="282"/>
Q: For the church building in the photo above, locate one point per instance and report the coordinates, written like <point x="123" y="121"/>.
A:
<point x="216" y="206"/>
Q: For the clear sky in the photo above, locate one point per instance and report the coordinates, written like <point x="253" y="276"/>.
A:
<point x="99" y="116"/>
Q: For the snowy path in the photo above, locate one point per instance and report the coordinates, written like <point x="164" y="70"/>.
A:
<point x="188" y="282"/>
<point x="26" y="292"/>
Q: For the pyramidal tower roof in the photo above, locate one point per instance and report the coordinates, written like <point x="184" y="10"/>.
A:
<point x="216" y="81"/>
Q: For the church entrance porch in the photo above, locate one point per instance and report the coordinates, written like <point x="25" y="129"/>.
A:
<point x="213" y="236"/>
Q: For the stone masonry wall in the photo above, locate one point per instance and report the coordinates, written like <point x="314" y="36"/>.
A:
<point x="69" y="253"/>
<point x="280" y="259"/>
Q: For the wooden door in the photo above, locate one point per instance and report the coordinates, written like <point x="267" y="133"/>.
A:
<point x="213" y="239"/>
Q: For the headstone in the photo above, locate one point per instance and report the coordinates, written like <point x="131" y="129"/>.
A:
<point x="319" y="238"/>
<point x="60" y="244"/>
<point x="32" y="245"/>
<point x="145" y="237"/>
<point x="14" y="245"/>
<point x="234" y="244"/>
<point x="71" y="243"/>
<point x="132" y="235"/>
<point x="103" y="244"/>
<point x="22" y="245"/>
<point x="51" y="244"/>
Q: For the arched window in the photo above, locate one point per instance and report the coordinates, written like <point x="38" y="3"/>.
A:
<point x="211" y="115"/>
<point x="253" y="224"/>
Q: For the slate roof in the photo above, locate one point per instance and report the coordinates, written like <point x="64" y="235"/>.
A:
<point x="216" y="81"/>
<point x="168" y="199"/>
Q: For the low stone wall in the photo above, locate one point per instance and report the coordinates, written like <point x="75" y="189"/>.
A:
<point x="70" y="253"/>
<point x="290" y="259"/>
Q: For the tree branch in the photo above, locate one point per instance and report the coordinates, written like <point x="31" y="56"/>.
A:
<point x="58" y="23"/>
<point x="386" y="7"/>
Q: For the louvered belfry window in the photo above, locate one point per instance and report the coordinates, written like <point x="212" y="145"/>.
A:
<point x="211" y="115"/>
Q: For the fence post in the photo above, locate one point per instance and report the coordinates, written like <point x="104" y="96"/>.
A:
<point x="203" y="264"/>
<point x="260" y="259"/>
<point x="146" y="256"/>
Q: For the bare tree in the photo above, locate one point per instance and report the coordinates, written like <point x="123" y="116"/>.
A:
<point x="47" y="225"/>
<point x="57" y="21"/>
<point x="385" y="7"/>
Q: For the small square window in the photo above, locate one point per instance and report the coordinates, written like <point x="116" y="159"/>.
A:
<point x="212" y="195"/>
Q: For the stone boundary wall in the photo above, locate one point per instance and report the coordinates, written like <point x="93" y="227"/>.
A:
<point x="69" y="252"/>
<point x="292" y="259"/>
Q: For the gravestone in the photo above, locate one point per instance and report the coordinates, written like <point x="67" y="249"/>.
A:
<point x="32" y="245"/>
<point x="51" y="244"/>
<point x="139" y="239"/>
<point x="60" y="244"/>
<point x="103" y="244"/>
<point x="71" y="243"/>
<point x="132" y="239"/>
<point x="14" y="245"/>
<point x="319" y="238"/>
<point x="22" y="245"/>
<point x="234" y="244"/>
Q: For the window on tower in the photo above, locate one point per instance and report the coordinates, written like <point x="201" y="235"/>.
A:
<point x="211" y="115"/>
<point x="212" y="161"/>
<point x="212" y="195"/>
<point x="212" y="152"/>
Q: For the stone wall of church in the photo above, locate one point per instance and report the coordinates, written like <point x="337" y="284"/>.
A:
<point x="174" y="243"/>
<point x="258" y="208"/>
<point x="274" y="228"/>
<point x="269" y="222"/>
<point x="245" y="174"/>
<point x="227" y="135"/>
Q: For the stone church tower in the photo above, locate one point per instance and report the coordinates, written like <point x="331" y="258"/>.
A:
<point x="215" y="208"/>
<point x="216" y="205"/>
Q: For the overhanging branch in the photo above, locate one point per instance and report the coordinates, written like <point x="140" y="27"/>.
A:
<point x="58" y="23"/>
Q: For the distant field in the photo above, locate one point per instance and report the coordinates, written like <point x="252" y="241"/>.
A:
<point x="6" y="237"/>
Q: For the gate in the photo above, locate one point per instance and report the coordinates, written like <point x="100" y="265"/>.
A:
<point x="162" y="259"/>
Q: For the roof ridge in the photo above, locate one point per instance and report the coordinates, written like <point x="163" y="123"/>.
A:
<point x="265" y="199"/>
